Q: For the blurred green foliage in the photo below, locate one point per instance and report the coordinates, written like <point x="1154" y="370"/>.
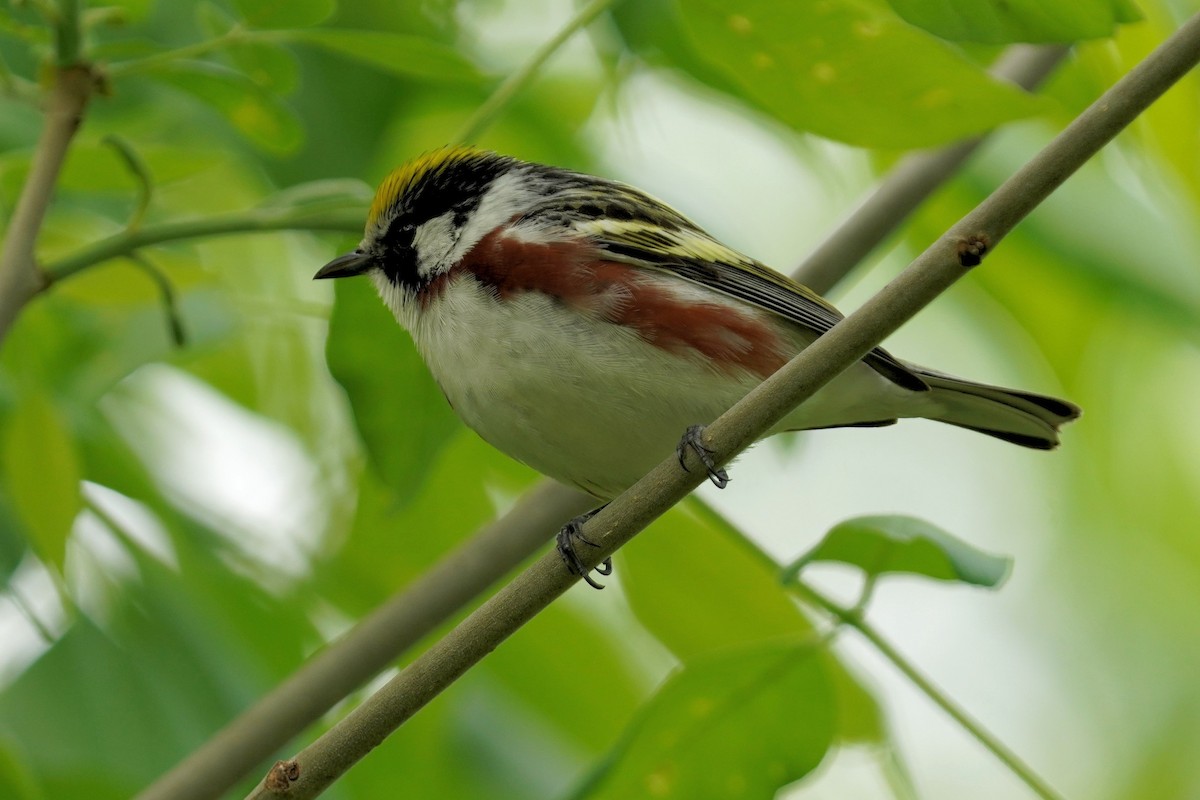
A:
<point x="152" y="590"/>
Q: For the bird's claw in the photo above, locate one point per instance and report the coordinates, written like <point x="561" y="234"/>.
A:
<point x="693" y="439"/>
<point x="565" y="541"/>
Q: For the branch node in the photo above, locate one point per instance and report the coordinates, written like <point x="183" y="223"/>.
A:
<point x="972" y="249"/>
<point x="281" y="776"/>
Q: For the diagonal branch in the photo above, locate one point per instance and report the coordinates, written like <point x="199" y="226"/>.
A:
<point x="371" y="645"/>
<point x="278" y="716"/>
<point x="19" y="276"/>
<point x="935" y="270"/>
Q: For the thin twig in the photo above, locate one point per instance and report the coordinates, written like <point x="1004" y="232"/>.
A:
<point x="517" y="81"/>
<point x="234" y="36"/>
<point x="140" y="173"/>
<point x="948" y="259"/>
<point x="253" y="221"/>
<point x="167" y="295"/>
<point x="854" y="619"/>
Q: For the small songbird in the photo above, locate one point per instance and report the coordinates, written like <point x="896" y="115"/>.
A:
<point x="581" y="326"/>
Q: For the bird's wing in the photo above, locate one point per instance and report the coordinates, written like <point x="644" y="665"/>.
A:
<point x="635" y="229"/>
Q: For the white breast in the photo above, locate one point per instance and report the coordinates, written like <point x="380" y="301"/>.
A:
<point x="585" y="401"/>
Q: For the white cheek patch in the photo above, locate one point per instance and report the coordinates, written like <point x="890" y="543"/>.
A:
<point x="434" y="241"/>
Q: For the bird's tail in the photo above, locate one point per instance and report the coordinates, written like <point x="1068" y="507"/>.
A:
<point x="1024" y="418"/>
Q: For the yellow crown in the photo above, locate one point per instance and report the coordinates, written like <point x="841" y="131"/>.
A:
<point x="405" y="177"/>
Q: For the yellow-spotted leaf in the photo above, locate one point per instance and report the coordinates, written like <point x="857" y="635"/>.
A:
<point x="743" y="723"/>
<point x="851" y="70"/>
<point x="1004" y="21"/>
<point x="42" y="474"/>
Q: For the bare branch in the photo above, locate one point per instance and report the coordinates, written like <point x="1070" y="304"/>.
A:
<point x="370" y="646"/>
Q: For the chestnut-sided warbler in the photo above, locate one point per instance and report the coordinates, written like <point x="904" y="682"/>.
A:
<point x="581" y="326"/>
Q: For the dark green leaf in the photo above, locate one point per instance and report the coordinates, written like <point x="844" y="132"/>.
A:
<point x="398" y="534"/>
<point x="851" y="71"/>
<point x="1004" y="21"/>
<point x="130" y="10"/>
<point x="259" y="116"/>
<point x="698" y="589"/>
<point x="284" y="13"/>
<point x="42" y="474"/>
<point x="409" y="56"/>
<point x="883" y="544"/>
<point x="743" y="723"/>
<point x="17" y="781"/>
<point x="536" y="667"/>
<point x="271" y="66"/>
<point x="400" y="412"/>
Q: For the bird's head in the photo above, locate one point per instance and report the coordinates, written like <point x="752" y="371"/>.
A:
<point x="428" y="213"/>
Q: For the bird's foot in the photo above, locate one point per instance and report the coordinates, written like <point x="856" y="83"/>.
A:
<point x="565" y="541"/>
<point x="693" y="439"/>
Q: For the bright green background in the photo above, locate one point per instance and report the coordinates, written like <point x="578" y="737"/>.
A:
<point x="180" y="525"/>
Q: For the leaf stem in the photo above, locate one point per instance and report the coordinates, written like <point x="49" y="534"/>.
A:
<point x="853" y="617"/>
<point x="518" y="80"/>
<point x="167" y="293"/>
<point x="121" y="69"/>
<point x="253" y="221"/>
<point x="68" y="34"/>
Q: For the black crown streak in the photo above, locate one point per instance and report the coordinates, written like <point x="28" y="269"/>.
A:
<point x="455" y="185"/>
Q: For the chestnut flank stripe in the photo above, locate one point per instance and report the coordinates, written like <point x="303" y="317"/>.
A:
<point x="625" y="295"/>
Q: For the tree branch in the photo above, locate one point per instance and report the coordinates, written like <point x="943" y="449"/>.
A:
<point x="19" y="277"/>
<point x="935" y="270"/>
<point x="253" y="221"/>
<point x="223" y="760"/>
<point x="370" y="646"/>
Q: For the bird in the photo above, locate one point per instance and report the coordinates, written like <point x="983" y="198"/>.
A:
<point x="586" y="329"/>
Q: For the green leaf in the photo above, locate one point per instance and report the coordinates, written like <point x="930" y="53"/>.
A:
<point x="851" y="70"/>
<point x="284" y="13"/>
<point x="1004" y="21"/>
<point x="535" y="667"/>
<point x="17" y="781"/>
<point x="860" y="719"/>
<point x="42" y="473"/>
<point x="258" y="115"/>
<point x="740" y="724"/>
<point x="271" y="66"/>
<point x="698" y="589"/>
<point x="127" y="10"/>
<point x="407" y="56"/>
<point x="882" y="544"/>
<point x="398" y="408"/>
